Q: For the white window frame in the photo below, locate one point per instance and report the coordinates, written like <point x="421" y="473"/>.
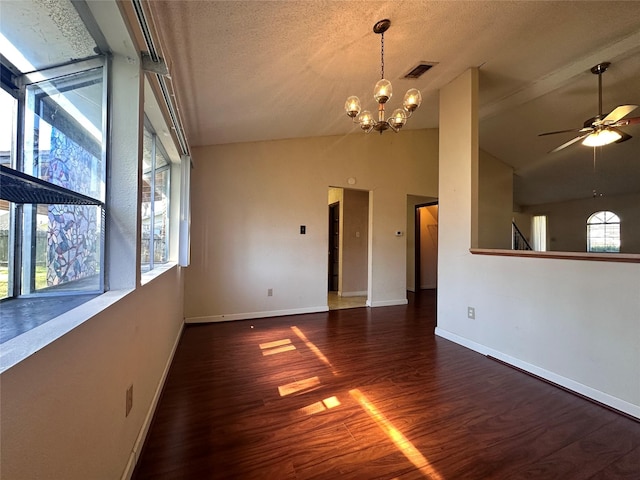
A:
<point x="156" y="149"/>
<point x="603" y="220"/>
<point x="22" y="270"/>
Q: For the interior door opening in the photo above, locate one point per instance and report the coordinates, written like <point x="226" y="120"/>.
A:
<point x="426" y="246"/>
<point x="348" y="242"/>
<point x="334" y="247"/>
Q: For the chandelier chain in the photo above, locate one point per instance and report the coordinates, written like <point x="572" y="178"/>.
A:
<point x="382" y="55"/>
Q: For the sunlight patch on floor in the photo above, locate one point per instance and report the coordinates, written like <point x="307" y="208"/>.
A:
<point x="313" y="348"/>
<point x="298" y="386"/>
<point x="279" y="346"/>
<point x="402" y="443"/>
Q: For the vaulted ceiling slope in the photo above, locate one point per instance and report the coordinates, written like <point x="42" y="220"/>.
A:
<point x="263" y="70"/>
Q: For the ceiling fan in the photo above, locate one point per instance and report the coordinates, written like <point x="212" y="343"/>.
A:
<point x="601" y="130"/>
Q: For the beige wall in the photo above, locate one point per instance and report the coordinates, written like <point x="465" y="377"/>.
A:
<point x="566" y="221"/>
<point x="63" y="408"/>
<point x="495" y="202"/>
<point x="572" y="322"/>
<point x="250" y="199"/>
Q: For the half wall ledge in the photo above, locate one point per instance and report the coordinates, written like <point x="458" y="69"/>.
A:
<point x="594" y="257"/>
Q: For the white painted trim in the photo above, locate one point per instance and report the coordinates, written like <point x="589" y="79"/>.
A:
<point x="354" y="294"/>
<point x="142" y="435"/>
<point x="157" y="271"/>
<point x="251" y="315"/>
<point x="592" y="393"/>
<point x="387" y="303"/>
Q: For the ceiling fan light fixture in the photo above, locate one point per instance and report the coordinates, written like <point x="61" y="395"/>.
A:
<point x="601" y="137"/>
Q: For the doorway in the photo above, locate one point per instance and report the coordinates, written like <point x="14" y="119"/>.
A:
<point x="426" y="246"/>
<point x="334" y="247"/>
<point x="348" y="237"/>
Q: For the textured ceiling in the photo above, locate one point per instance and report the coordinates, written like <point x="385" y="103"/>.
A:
<point x="254" y="70"/>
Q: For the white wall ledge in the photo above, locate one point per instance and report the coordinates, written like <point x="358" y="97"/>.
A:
<point x="158" y="270"/>
<point x="594" y="257"/>
<point x="23" y="346"/>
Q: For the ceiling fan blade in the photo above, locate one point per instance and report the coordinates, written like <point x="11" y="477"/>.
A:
<point x="626" y="121"/>
<point x="566" y="131"/>
<point x="570" y="142"/>
<point x="618" y="113"/>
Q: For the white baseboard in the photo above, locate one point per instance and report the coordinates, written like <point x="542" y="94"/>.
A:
<point x="354" y="294"/>
<point x="142" y="435"/>
<point x="250" y="315"/>
<point x="592" y="393"/>
<point x="387" y="303"/>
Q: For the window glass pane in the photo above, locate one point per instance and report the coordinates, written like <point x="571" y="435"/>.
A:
<point x="8" y="106"/>
<point x="145" y="205"/>
<point x="4" y="248"/>
<point x="67" y="248"/>
<point x="603" y="232"/>
<point x="161" y="219"/>
<point x="154" y="241"/>
<point x="63" y="132"/>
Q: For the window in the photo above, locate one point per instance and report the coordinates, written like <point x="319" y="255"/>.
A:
<point x="603" y="232"/>
<point x="63" y="145"/>
<point x="53" y="154"/>
<point x="539" y="233"/>
<point x="156" y="169"/>
<point x="8" y="115"/>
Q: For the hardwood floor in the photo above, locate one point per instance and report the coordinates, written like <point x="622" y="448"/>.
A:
<point x="369" y="394"/>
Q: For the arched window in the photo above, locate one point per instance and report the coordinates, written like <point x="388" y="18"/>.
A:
<point x="603" y="232"/>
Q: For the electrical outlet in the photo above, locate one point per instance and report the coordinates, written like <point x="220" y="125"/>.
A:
<point x="128" y="401"/>
<point x="471" y="313"/>
<point x="270" y="292"/>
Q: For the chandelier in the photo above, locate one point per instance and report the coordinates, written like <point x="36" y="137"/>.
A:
<point x="382" y="93"/>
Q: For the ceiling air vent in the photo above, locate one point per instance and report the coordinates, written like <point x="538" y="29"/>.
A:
<point x="419" y="70"/>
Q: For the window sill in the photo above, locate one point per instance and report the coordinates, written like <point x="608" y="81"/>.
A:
<point x="146" y="277"/>
<point x="17" y="349"/>
<point x="22" y="346"/>
<point x="594" y="257"/>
